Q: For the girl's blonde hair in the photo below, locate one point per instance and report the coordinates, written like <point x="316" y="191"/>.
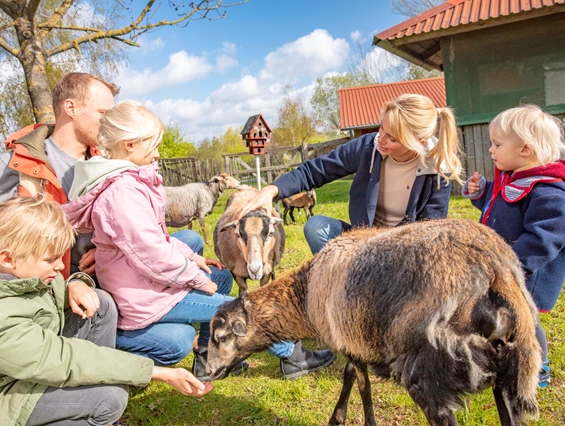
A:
<point x="414" y="118"/>
<point x="128" y="121"/>
<point x="542" y="132"/>
<point x="33" y="227"/>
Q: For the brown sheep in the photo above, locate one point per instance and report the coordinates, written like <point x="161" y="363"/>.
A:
<point x="252" y="246"/>
<point x="440" y="307"/>
<point x="304" y="200"/>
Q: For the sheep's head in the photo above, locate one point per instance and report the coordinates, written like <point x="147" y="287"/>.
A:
<point x="255" y="234"/>
<point x="226" y="180"/>
<point x="232" y="338"/>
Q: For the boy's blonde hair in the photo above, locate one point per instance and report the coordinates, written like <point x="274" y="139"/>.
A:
<point x="128" y="121"/>
<point x="542" y="132"/>
<point x="33" y="227"/>
<point x="414" y="118"/>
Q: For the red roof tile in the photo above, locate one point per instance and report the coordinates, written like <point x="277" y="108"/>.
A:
<point x="453" y="13"/>
<point x="361" y="106"/>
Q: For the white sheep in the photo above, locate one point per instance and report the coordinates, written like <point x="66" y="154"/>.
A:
<point x="195" y="201"/>
<point x="441" y="307"/>
<point x="252" y="246"/>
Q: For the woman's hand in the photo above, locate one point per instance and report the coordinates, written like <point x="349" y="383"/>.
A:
<point x="181" y="380"/>
<point x="263" y="199"/>
<point x="473" y="184"/>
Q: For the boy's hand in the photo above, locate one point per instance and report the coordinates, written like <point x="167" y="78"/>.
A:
<point x="473" y="184"/>
<point x="86" y="263"/>
<point x="83" y="300"/>
<point x="181" y="380"/>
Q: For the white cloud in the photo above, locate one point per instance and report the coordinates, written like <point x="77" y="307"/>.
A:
<point x="355" y="36"/>
<point x="151" y="45"/>
<point x="310" y="56"/>
<point x="181" y="68"/>
<point x="229" y="48"/>
<point x="225" y="62"/>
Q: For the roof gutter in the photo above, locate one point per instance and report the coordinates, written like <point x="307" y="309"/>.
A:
<point x="365" y="126"/>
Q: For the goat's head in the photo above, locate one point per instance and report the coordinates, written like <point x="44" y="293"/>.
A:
<point x="232" y="338"/>
<point x="227" y="180"/>
<point x="255" y="234"/>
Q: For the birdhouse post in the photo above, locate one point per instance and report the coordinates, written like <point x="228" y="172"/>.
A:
<point x="257" y="134"/>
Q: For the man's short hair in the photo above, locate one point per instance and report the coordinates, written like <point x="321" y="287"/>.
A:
<point x="75" y="85"/>
<point x="33" y="227"/>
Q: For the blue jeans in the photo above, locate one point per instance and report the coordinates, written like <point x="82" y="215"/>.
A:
<point x="169" y="340"/>
<point x="319" y="229"/>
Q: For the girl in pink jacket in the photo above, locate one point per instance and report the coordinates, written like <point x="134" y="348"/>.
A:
<point x="158" y="283"/>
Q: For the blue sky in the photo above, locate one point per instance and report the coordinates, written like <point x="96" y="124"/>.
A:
<point x="213" y="74"/>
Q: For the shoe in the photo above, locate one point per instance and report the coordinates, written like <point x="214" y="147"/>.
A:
<point x="544" y="378"/>
<point x="199" y="366"/>
<point x="118" y="423"/>
<point x="304" y="361"/>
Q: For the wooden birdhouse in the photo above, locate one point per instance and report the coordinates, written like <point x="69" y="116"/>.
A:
<point x="257" y="134"/>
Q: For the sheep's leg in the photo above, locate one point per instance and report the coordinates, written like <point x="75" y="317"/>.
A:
<point x="242" y="284"/>
<point x="365" y="391"/>
<point x="203" y="226"/>
<point x="285" y="219"/>
<point x="292" y="215"/>
<point x="504" y="411"/>
<point x="340" y="411"/>
<point x="189" y="224"/>
<point x="266" y="278"/>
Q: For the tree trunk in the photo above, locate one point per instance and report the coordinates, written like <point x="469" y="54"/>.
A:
<point x="33" y="59"/>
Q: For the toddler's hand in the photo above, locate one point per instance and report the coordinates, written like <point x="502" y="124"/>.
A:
<point x="203" y="263"/>
<point x="473" y="184"/>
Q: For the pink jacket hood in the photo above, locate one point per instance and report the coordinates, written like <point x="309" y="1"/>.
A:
<point x="146" y="271"/>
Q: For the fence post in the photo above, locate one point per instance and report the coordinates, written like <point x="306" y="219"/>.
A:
<point x="304" y="152"/>
<point x="226" y="164"/>
<point x="268" y="167"/>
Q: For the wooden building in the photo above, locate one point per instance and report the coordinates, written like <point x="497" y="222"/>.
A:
<point x="360" y="107"/>
<point x="495" y="54"/>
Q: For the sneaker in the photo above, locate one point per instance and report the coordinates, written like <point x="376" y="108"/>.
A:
<point x="199" y="366"/>
<point x="304" y="361"/>
<point x="544" y="379"/>
<point x="118" y="423"/>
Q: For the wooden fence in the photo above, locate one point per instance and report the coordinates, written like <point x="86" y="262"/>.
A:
<point x="275" y="162"/>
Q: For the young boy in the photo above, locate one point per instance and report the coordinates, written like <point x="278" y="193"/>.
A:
<point x="526" y="202"/>
<point x="47" y="377"/>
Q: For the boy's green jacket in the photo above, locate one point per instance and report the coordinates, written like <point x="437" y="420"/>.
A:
<point x="34" y="355"/>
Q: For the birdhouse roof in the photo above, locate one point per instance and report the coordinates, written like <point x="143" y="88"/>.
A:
<point x="251" y="121"/>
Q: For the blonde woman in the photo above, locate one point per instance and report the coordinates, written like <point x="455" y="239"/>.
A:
<point x="159" y="284"/>
<point x="402" y="174"/>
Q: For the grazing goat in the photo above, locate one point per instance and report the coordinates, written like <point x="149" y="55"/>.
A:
<point x="195" y="200"/>
<point x="439" y="306"/>
<point x="304" y="200"/>
<point x="252" y="246"/>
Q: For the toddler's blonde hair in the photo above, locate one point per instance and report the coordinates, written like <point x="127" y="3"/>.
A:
<point x="542" y="132"/>
<point x="414" y="118"/>
<point x="33" y="227"/>
<point x="128" y="121"/>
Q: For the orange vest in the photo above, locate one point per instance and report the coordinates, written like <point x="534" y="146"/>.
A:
<point x="38" y="177"/>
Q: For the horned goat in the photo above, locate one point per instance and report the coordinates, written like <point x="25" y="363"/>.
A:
<point x="252" y="246"/>
<point x="195" y="201"/>
<point x="440" y="306"/>
<point x="304" y="200"/>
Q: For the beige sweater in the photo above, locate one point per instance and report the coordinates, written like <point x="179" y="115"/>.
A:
<point x="396" y="183"/>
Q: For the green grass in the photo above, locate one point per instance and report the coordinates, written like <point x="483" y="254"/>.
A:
<point x="260" y="397"/>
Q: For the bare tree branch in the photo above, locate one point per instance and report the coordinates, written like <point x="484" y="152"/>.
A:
<point x="134" y="30"/>
<point x="57" y="15"/>
<point x="31" y="9"/>
<point x="8" y="8"/>
<point x="8" y="25"/>
<point x="8" y="48"/>
<point x="70" y="27"/>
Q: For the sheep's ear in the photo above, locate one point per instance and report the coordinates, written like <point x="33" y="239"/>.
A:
<point x="275" y="221"/>
<point x="230" y="225"/>
<point x="238" y="328"/>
